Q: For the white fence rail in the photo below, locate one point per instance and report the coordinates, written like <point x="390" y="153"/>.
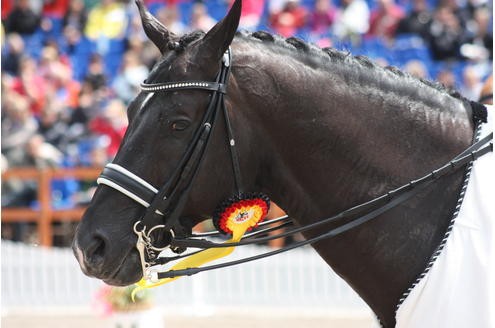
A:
<point x="41" y="277"/>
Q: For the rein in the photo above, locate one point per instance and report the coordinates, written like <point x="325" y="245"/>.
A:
<point x="164" y="206"/>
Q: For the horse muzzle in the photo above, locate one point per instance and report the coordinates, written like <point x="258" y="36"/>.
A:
<point x="114" y="266"/>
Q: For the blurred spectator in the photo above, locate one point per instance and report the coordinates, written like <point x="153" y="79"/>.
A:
<point x="53" y="128"/>
<point x="446" y="78"/>
<point x="252" y="11"/>
<point x="480" y="44"/>
<point x="22" y="19"/>
<point x="76" y="15"/>
<point x="11" y="58"/>
<point x="352" y="20"/>
<point x="55" y="8"/>
<point x="52" y="13"/>
<point x="18" y="125"/>
<point x="462" y="13"/>
<point x="445" y="35"/>
<point x="384" y="19"/>
<point x="112" y="123"/>
<point x="200" y="20"/>
<point x="486" y="95"/>
<point x="30" y="84"/>
<point x="149" y="53"/>
<point x="322" y="17"/>
<point x="170" y="18"/>
<point x="51" y="66"/>
<point x="416" y="68"/>
<point x="90" y="100"/>
<point x="35" y="153"/>
<point x="417" y="21"/>
<point x="471" y="83"/>
<point x="96" y="73"/>
<point x="106" y="20"/>
<point x="41" y="154"/>
<point x="6" y="9"/>
<point x="132" y="73"/>
<point x="287" y="21"/>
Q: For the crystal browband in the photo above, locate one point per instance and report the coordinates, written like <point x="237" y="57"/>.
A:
<point x="202" y="85"/>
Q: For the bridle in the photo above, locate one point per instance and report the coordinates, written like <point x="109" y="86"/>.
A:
<point x="164" y="206"/>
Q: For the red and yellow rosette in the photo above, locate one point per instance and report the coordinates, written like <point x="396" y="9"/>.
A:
<point x="243" y="212"/>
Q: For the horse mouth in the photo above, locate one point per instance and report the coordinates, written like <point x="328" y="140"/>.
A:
<point x="127" y="273"/>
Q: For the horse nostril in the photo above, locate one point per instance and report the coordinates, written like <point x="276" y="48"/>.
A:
<point x="95" y="253"/>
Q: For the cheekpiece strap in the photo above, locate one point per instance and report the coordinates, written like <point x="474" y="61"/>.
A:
<point x="172" y="86"/>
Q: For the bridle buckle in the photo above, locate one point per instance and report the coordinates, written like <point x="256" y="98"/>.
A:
<point x="147" y="251"/>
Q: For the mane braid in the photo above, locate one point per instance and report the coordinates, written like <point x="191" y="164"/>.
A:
<point x="365" y="61"/>
<point x="263" y="36"/>
<point x="346" y="56"/>
<point x="298" y="43"/>
<point x="395" y="70"/>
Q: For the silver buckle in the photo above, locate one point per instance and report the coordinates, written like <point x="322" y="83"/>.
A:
<point x="226" y="58"/>
<point x="146" y="248"/>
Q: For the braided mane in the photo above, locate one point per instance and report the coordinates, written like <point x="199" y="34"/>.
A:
<point x="300" y="46"/>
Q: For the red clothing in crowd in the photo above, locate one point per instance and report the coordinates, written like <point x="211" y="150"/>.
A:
<point x="55" y="8"/>
<point x="384" y="20"/>
<point x="287" y="21"/>
<point x="320" y="22"/>
<point x="33" y="89"/>
<point x="102" y="126"/>
<point x="6" y="8"/>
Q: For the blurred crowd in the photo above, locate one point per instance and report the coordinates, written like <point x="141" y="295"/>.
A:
<point x="70" y="67"/>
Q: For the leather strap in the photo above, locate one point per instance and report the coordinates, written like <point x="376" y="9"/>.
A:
<point x="187" y="85"/>
<point x="413" y="188"/>
<point x="468" y="155"/>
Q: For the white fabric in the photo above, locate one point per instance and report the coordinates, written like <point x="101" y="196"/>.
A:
<point x="459" y="289"/>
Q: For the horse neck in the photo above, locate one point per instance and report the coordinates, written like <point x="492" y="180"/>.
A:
<point x="332" y="138"/>
<point x="319" y="122"/>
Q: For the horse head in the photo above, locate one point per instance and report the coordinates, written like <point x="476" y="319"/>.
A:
<point x="162" y="127"/>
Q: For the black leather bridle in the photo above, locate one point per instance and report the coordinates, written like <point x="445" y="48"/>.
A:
<point x="164" y="206"/>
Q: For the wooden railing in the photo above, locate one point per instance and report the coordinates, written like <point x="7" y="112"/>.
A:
<point x="46" y="214"/>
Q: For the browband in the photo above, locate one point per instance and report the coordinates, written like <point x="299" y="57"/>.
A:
<point x="201" y="85"/>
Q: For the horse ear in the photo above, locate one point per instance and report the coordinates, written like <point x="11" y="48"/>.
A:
<point x="218" y="39"/>
<point x="155" y="30"/>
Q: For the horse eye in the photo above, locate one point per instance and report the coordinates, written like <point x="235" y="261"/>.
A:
<point x="180" y="125"/>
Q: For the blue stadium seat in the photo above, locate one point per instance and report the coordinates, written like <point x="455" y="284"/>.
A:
<point x="217" y="8"/>
<point x="185" y="11"/>
<point x="410" y="47"/>
<point x="79" y="58"/>
<point x="34" y="43"/>
<point x="55" y="32"/>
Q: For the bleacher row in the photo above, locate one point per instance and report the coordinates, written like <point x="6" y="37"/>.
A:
<point x="404" y="49"/>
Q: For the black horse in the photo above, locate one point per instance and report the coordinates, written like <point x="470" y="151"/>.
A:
<point x="317" y="130"/>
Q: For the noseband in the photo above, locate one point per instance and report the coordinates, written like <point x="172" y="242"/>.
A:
<point x="164" y="206"/>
